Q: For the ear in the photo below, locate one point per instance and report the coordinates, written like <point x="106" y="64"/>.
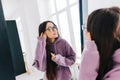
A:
<point x="117" y="36"/>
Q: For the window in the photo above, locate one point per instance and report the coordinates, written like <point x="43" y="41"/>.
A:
<point x="76" y="22"/>
<point x="61" y="4"/>
<point x="64" y="26"/>
<point x="20" y="32"/>
<point x="52" y="6"/>
<point x="65" y="14"/>
<point x="72" y="1"/>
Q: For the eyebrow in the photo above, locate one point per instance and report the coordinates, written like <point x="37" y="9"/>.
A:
<point x="51" y="26"/>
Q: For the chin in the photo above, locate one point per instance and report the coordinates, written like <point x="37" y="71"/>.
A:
<point x="56" y="36"/>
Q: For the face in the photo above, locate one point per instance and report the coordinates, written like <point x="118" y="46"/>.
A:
<point x="87" y="34"/>
<point x="51" y="31"/>
<point x="117" y="34"/>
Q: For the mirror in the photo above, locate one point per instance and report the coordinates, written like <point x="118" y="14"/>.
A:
<point x="28" y="14"/>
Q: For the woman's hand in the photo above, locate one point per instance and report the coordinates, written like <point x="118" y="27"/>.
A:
<point x="53" y="56"/>
<point x="43" y="35"/>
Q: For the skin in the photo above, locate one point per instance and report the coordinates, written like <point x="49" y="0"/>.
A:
<point x="117" y="31"/>
<point x="87" y="35"/>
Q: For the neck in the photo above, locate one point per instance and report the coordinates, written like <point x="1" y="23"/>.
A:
<point x="52" y="40"/>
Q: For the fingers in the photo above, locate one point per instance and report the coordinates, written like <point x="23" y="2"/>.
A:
<point x="53" y="56"/>
<point x="43" y="35"/>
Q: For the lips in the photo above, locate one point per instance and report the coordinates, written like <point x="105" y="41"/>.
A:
<point x="54" y="33"/>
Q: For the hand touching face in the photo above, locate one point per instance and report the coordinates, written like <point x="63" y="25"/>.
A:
<point x="43" y="35"/>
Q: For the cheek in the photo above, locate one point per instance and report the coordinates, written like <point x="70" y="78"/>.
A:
<point x="118" y="35"/>
<point x="49" y="35"/>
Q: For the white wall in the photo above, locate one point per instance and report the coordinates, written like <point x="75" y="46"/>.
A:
<point x="85" y="10"/>
<point x="96" y="4"/>
<point x="43" y="9"/>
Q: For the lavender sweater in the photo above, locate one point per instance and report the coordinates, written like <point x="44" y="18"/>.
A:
<point x="65" y="57"/>
<point x="90" y="63"/>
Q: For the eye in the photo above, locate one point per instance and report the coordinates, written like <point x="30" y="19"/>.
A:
<point x="84" y="27"/>
<point x="50" y="29"/>
<point x="54" y="27"/>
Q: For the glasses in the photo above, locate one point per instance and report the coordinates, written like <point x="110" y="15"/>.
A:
<point x="84" y="27"/>
<point x="52" y="28"/>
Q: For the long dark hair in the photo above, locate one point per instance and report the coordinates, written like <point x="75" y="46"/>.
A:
<point x="102" y="25"/>
<point x="51" y="67"/>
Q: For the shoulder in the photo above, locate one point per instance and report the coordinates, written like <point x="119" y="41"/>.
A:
<point x="117" y="53"/>
<point x="61" y="40"/>
<point x="63" y="43"/>
<point x="114" y="74"/>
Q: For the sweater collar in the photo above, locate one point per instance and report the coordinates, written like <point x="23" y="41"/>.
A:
<point x="56" y="40"/>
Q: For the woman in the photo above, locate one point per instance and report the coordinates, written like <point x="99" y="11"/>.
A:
<point x="53" y="54"/>
<point x="101" y="54"/>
